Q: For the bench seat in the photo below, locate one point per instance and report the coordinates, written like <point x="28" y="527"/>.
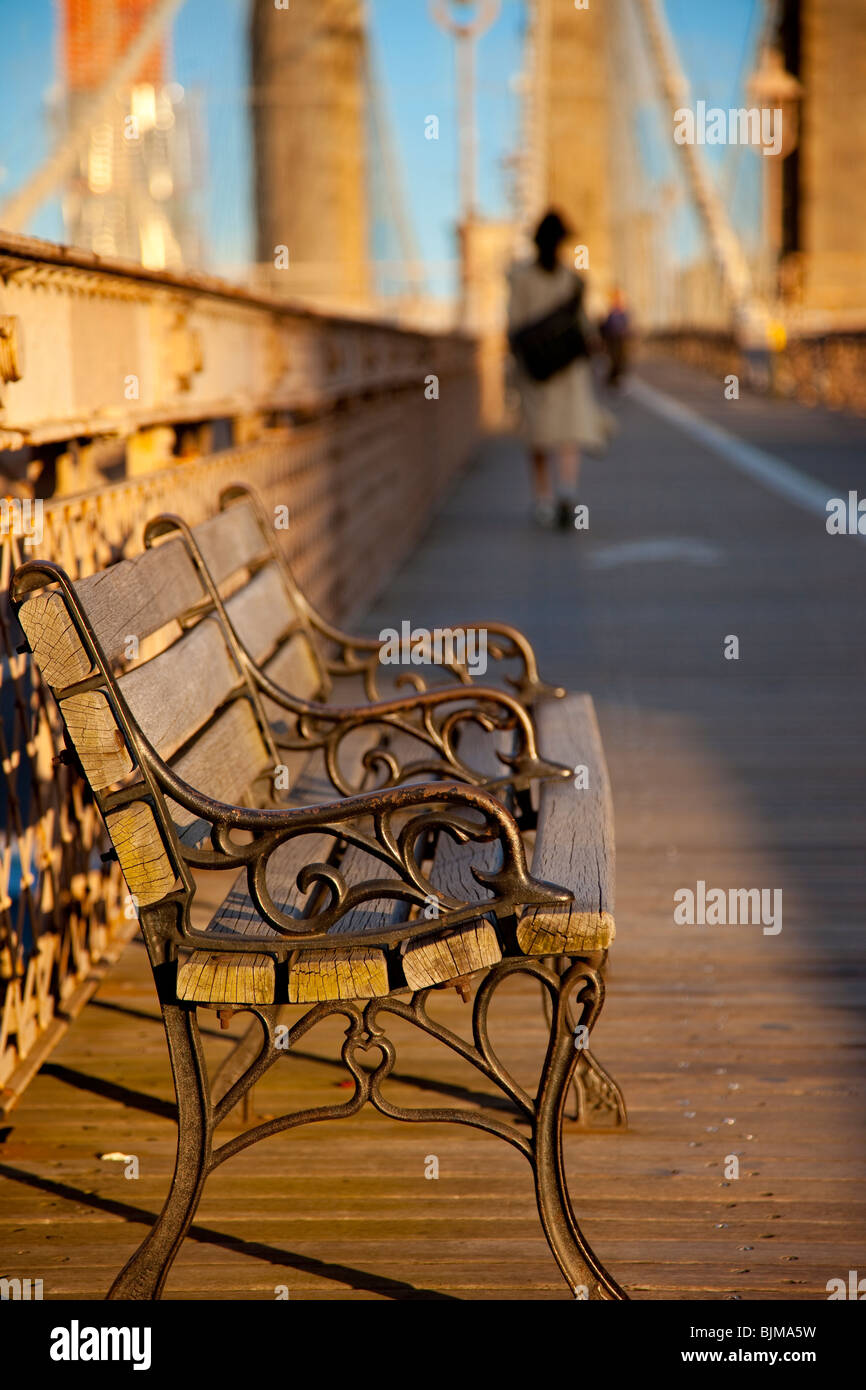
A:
<point x="574" y="846"/>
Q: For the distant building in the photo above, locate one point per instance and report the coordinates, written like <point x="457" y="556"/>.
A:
<point x="132" y="188"/>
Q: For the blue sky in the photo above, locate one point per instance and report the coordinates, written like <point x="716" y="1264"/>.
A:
<point x="416" y="60"/>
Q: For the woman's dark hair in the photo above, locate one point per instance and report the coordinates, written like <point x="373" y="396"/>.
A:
<point x="548" y="234"/>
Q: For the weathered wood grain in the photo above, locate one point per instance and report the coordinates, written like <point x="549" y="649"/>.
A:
<point x="443" y="956"/>
<point x="137" y="597"/>
<point x="230" y="541"/>
<point x="53" y="640"/>
<point x="140" y="851"/>
<point x="173" y="695"/>
<point x="231" y="978"/>
<point x="223" y="763"/>
<point x="346" y="974"/>
<point x="574" y="844"/>
<point x="356" y="867"/>
<point x="97" y="737"/>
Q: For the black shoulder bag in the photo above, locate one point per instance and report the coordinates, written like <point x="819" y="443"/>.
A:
<point x="551" y="343"/>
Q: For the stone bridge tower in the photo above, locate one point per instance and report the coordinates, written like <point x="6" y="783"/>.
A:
<point x="309" y="121"/>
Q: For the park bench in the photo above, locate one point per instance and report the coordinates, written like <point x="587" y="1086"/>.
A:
<point x="380" y="843"/>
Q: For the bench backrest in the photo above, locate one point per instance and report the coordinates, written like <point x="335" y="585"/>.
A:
<point x="267" y="616"/>
<point x="190" y="700"/>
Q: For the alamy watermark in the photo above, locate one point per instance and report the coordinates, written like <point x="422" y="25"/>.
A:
<point x="716" y="907"/>
<point x="77" y="1343"/>
<point x="443" y="646"/>
<point x="22" y="517"/>
<point x="742" y="125"/>
<point x="846" y="518"/>
<point x="20" y="1290"/>
<point x="854" y="1289"/>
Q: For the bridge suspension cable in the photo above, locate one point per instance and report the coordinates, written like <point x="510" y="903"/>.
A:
<point x="749" y="315"/>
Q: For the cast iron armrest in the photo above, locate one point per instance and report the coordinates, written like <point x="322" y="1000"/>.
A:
<point x="424" y="716"/>
<point x="438" y="806"/>
<point x="513" y="646"/>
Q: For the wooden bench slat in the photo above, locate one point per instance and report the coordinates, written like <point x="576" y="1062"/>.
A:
<point x="352" y="974"/>
<point x="443" y="956"/>
<point x="432" y="960"/>
<point x="222" y="763"/>
<point x="230" y="541"/>
<point x="235" y="978"/>
<point x="356" y="866"/>
<point x="137" y="597"/>
<point x="97" y="738"/>
<point x="173" y="695"/>
<point x="574" y="844"/>
<point x="261" y="613"/>
<point x="140" y="852"/>
<point x="294" y="669"/>
<point x="53" y="640"/>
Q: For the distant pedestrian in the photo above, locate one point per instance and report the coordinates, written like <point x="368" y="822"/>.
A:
<point x="616" y="335"/>
<point x="550" y="338"/>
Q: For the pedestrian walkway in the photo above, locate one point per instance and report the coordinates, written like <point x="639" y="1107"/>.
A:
<point x="739" y="1050"/>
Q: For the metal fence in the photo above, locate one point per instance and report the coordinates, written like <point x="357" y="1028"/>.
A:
<point x="359" y="479"/>
<point x="827" y="370"/>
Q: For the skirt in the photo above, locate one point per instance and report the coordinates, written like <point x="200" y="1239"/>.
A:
<point x="564" y="410"/>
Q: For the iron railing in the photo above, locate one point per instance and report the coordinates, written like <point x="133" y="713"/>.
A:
<point x="349" y="437"/>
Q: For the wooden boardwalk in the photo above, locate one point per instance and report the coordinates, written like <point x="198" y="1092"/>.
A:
<point x="727" y="1041"/>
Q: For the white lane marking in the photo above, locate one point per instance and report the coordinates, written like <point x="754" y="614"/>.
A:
<point x="764" y="468"/>
<point x="654" y="550"/>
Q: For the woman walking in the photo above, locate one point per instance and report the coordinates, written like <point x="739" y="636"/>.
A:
<point x="549" y="336"/>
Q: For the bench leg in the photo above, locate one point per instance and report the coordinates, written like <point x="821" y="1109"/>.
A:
<point x="583" y="1272"/>
<point x="598" y="1100"/>
<point x="145" y="1273"/>
<point x="597" y="1095"/>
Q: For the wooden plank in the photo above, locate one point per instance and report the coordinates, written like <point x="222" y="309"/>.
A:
<point x="230" y="541"/>
<point x="358" y="867"/>
<point x="293" y="668"/>
<point x="173" y="695"/>
<point x="574" y="844"/>
<point x="346" y="974"/>
<point x="230" y="978"/>
<point x="223" y="763"/>
<point x="140" y="850"/>
<point x="448" y="955"/>
<point x="261" y="613"/>
<point x="137" y="597"/>
<point x="97" y="737"/>
<point x="53" y="640"/>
